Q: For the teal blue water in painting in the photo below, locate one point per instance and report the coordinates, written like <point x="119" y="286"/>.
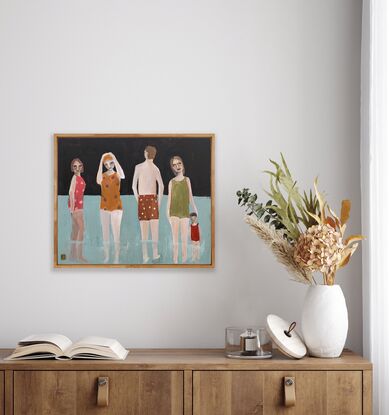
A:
<point x="131" y="246"/>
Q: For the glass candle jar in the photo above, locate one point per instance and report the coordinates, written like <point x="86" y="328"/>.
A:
<point x="248" y="343"/>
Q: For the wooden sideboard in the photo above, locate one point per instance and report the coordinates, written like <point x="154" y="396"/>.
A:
<point x="186" y="382"/>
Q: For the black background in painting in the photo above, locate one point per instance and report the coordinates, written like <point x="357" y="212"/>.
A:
<point x="195" y="152"/>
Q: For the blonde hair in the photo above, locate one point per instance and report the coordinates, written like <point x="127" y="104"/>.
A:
<point x="107" y="157"/>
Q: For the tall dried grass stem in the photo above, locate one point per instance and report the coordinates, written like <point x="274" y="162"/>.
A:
<point x="281" y="249"/>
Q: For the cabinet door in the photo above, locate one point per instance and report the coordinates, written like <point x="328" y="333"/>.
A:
<point x="228" y="392"/>
<point x="262" y="393"/>
<point x="317" y="392"/>
<point x="2" y="401"/>
<point x="75" y="393"/>
<point x="44" y="392"/>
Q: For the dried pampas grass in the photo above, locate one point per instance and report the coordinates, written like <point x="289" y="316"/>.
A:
<point x="281" y="248"/>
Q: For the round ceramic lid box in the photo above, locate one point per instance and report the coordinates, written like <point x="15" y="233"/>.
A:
<point x="285" y="337"/>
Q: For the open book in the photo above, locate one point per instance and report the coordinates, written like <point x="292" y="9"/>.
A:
<point x="57" y="346"/>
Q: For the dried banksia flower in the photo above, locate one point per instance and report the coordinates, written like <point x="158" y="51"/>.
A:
<point x="320" y="248"/>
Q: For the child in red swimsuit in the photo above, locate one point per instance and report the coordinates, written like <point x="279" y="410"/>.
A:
<point x="195" y="236"/>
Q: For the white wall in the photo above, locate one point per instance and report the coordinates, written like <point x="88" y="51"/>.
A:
<point x="265" y="76"/>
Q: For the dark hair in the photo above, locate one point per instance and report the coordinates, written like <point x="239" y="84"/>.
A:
<point x="178" y="158"/>
<point x="73" y="161"/>
<point x="151" y="152"/>
<point x="193" y="214"/>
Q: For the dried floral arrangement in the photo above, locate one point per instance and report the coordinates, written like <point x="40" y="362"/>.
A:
<point x="302" y="231"/>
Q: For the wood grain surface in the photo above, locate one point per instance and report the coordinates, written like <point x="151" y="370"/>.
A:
<point x="45" y="392"/>
<point x="8" y="392"/>
<point x="344" y="392"/>
<point x="190" y="359"/>
<point x="75" y="392"/>
<point x="262" y="393"/>
<point x="367" y="392"/>
<point x="186" y="382"/>
<point x="2" y="387"/>
<point x="228" y="392"/>
<point x="188" y="392"/>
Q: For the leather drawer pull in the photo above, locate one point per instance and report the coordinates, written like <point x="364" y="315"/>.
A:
<point x="290" y="391"/>
<point x="102" y="391"/>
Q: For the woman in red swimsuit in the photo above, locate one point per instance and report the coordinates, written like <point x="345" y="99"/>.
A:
<point x="76" y="207"/>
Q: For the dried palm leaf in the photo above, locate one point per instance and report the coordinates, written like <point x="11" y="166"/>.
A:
<point x="345" y="211"/>
<point x="353" y="238"/>
<point x="281" y="249"/>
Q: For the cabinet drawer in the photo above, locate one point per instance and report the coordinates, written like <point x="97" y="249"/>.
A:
<point x="75" y="392"/>
<point x="262" y="392"/>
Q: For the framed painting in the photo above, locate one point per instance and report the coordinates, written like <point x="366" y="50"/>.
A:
<point x="134" y="200"/>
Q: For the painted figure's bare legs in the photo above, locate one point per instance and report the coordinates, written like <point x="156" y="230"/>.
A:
<point x="116" y="221"/>
<point x="73" y="241"/>
<point x="74" y="234"/>
<point x="184" y="227"/>
<point x="179" y="225"/>
<point x="77" y="236"/>
<point x="73" y="250"/>
<point x="195" y="251"/>
<point x="154" y="225"/>
<point x="144" y="230"/>
<point x="80" y="252"/>
<point x="79" y="218"/>
<point x="105" y="218"/>
<point x="175" y="224"/>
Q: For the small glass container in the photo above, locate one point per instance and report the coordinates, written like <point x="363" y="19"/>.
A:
<point x="248" y="343"/>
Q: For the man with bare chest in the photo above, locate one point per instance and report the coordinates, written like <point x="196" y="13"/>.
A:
<point x="144" y="186"/>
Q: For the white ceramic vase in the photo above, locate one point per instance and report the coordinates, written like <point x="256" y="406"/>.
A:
<point x="324" y="322"/>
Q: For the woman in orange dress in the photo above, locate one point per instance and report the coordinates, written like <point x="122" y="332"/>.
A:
<point x="111" y="208"/>
<point x="76" y="208"/>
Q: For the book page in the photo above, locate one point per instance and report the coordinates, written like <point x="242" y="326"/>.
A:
<point x="99" y="346"/>
<point x="95" y="341"/>
<point x="58" y="340"/>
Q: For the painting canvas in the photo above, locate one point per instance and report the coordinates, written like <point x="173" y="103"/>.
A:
<point x="134" y="200"/>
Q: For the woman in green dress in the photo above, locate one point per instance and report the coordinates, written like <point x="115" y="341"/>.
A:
<point x="180" y="197"/>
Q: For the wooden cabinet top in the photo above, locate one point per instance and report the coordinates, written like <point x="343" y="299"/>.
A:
<point x="189" y="359"/>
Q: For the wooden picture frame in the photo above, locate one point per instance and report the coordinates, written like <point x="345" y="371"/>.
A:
<point x="132" y="200"/>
